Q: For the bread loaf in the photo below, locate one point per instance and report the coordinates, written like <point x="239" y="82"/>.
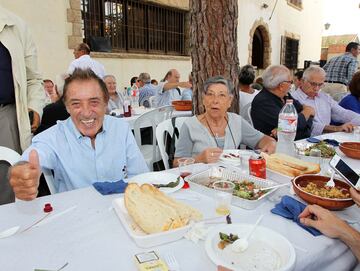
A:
<point x="154" y="212"/>
<point x="289" y="165"/>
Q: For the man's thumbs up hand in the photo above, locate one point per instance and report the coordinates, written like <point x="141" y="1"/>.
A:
<point x="24" y="178"/>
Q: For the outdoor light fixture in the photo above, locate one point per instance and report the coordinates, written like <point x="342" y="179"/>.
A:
<point x="327" y="26"/>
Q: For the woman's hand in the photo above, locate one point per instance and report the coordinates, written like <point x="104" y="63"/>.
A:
<point x="267" y="144"/>
<point x="209" y="155"/>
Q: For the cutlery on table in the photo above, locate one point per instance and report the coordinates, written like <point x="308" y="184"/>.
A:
<point x="270" y="187"/>
<point x="9" y="232"/>
<point x="242" y="243"/>
<point x="331" y="183"/>
<point x="171" y="262"/>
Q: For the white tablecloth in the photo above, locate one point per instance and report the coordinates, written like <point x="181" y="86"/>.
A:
<point x="91" y="236"/>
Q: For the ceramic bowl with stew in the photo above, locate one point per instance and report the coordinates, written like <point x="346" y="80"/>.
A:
<point x="300" y="182"/>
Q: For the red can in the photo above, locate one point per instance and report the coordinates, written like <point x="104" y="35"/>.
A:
<point x="257" y="166"/>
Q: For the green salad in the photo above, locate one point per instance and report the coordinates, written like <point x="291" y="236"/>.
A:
<point x="326" y="150"/>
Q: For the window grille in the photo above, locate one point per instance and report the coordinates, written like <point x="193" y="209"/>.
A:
<point x="135" y="26"/>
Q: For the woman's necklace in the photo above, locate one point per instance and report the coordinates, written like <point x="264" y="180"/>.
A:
<point x="215" y="137"/>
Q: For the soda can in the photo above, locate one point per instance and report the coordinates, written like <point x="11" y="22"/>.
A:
<point x="257" y="166"/>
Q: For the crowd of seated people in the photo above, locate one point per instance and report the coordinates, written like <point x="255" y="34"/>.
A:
<point x="76" y="122"/>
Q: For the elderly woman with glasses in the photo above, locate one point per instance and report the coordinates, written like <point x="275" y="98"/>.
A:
<point x="203" y="137"/>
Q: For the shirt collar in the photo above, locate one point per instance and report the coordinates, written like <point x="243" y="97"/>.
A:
<point x="84" y="56"/>
<point x="77" y="133"/>
<point x="302" y="95"/>
<point x="5" y="18"/>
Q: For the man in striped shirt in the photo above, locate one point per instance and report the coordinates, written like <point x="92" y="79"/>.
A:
<point x="339" y="71"/>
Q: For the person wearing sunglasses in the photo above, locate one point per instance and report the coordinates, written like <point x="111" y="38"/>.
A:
<point x="327" y="110"/>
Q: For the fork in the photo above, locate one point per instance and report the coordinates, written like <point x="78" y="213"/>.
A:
<point x="172" y="262"/>
<point x="331" y="182"/>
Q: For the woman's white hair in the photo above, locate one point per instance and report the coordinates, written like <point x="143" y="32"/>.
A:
<point x="275" y="75"/>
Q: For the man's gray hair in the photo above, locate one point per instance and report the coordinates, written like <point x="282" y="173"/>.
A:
<point x="275" y="75"/>
<point x="219" y="80"/>
<point x="144" y="77"/>
<point x="311" y="70"/>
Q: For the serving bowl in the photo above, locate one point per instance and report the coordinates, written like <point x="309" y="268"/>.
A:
<point x="301" y="182"/>
<point x="351" y="149"/>
<point x="180" y="105"/>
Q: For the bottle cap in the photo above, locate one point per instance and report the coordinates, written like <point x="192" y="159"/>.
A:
<point x="48" y="208"/>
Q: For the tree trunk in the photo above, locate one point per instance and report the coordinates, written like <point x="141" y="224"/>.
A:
<point x="213" y="43"/>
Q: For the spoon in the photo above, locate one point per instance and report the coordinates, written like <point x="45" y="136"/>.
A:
<point x="241" y="244"/>
<point x="270" y="187"/>
<point x="331" y="183"/>
<point x="9" y="232"/>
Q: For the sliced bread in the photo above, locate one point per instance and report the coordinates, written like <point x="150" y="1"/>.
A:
<point x="153" y="211"/>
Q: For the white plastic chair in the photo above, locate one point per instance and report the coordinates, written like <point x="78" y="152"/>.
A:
<point x="245" y="112"/>
<point x="49" y="180"/>
<point x="9" y="155"/>
<point x="151" y="119"/>
<point x="166" y="126"/>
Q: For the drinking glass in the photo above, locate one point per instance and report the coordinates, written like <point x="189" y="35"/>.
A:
<point x="244" y="162"/>
<point x="185" y="168"/>
<point x="324" y="163"/>
<point x="223" y="196"/>
<point x="356" y="133"/>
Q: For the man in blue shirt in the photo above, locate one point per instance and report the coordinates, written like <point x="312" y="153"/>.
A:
<point x="168" y="89"/>
<point x="146" y="89"/>
<point x="88" y="147"/>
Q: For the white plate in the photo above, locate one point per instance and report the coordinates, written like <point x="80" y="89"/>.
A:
<point x="141" y="238"/>
<point x="233" y="156"/>
<point x="158" y="177"/>
<point x="268" y="250"/>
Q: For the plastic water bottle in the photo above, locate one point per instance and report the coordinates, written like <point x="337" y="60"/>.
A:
<point x="287" y="126"/>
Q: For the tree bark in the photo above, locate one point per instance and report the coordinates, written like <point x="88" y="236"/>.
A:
<point x="213" y="45"/>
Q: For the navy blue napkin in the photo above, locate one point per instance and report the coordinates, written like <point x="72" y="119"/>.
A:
<point x="107" y="188"/>
<point x="331" y="142"/>
<point x="291" y="209"/>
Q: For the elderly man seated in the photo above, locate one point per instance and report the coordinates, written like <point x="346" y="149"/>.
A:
<point x="168" y="89"/>
<point x="266" y="106"/>
<point x="88" y="147"/>
<point x="146" y="89"/>
<point x="326" y="109"/>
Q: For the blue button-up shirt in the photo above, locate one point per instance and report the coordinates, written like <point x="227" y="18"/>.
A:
<point x="326" y="110"/>
<point x="165" y="97"/>
<point x="77" y="164"/>
<point x="147" y="91"/>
